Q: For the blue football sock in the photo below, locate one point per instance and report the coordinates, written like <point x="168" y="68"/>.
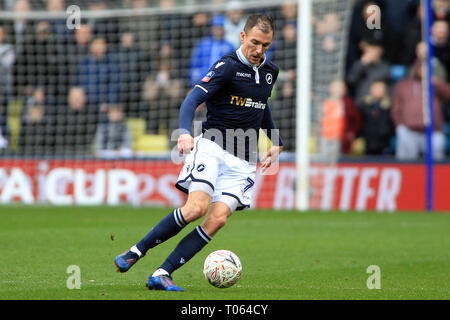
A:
<point x="186" y="249"/>
<point x="165" y="229"/>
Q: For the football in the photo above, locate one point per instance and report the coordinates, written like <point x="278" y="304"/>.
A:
<point x="222" y="268"/>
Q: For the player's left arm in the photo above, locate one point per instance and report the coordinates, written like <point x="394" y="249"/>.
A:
<point x="274" y="135"/>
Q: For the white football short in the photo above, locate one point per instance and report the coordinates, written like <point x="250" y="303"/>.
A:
<point x="225" y="177"/>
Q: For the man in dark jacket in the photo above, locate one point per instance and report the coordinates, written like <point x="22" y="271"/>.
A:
<point x="376" y="112"/>
<point x="369" y="68"/>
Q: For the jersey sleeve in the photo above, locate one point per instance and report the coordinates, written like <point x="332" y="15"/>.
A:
<point x="269" y="126"/>
<point x="216" y="77"/>
<point x="188" y="107"/>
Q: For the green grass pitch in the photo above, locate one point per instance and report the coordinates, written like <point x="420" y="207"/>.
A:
<point x="285" y="254"/>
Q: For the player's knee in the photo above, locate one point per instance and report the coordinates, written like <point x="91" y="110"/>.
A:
<point x="220" y="221"/>
<point x="214" y="223"/>
<point x="199" y="209"/>
<point x="196" y="206"/>
<point x="194" y="210"/>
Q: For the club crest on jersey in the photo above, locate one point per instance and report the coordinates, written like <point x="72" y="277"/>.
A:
<point x="200" y="167"/>
<point x="208" y="76"/>
<point x="269" y="78"/>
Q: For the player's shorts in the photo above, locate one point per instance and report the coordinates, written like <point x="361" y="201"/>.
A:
<point x="225" y="177"/>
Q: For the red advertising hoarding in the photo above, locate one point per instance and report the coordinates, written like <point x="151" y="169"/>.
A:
<point x="348" y="186"/>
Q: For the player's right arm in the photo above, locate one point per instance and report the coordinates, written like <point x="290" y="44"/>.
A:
<point x="217" y="75"/>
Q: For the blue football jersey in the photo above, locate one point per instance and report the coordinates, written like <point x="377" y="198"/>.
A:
<point x="236" y="94"/>
<point x="237" y="99"/>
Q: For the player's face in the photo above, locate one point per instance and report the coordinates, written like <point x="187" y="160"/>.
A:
<point x="255" y="43"/>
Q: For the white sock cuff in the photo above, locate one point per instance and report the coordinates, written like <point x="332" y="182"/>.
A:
<point x="202" y="233"/>
<point x="136" y="250"/>
<point x="160" y="272"/>
<point x="179" y="220"/>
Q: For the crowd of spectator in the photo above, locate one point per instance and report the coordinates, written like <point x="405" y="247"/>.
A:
<point x="77" y="87"/>
<point x="384" y="73"/>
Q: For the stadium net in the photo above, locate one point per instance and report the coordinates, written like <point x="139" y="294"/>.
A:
<point x="106" y="83"/>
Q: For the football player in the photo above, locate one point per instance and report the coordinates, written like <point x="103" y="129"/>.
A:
<point x="220" y="164"/>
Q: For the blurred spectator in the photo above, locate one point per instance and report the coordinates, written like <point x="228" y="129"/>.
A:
<point x="284" y="112"/>
<point x="369" y="68"/>
<point x="99" y="74"/>
<point x="32" y="68"/>
<point x="441" y="10"/>
<point x="441" y="90"/>
<point x="326" y="65"/>
<point x="327" y="30"/>
<point x="37" y="97"/>
<point x="376" y="113"/>
<point x="162" y="97"/>
<point x="173" y="29"/>
<point x="70" y="57"/>
<point x="286" y="52"/>
<point x="439" y="69"/>
<point x="411" y="36"/>
<point x="234" y="23"/>
<point x="133" y="68"/>
<point x="7" y="4"/>
<point x="208" y="50"/>
<point x="198" y="28"/>
<point x="399" y="13"/>
<point x="163" y="28"/>
<point x="332" y="128"/>
<point x="170" y="26"/>
<point x="7" y="58"/>
<point x="45" y="65"/>
<point x="353" y="120"/>
<point x="75" y="124"/>
<point x="113" y="138"/>
<point x="360" y="33"/>
<point x="82" y="39"/>
<point x="141" y="26"/>
<point x="408" y="116"/>
<point x="167" y="3"/>
<point x="288" y="15"/>
<point x="34" y="135"/>
<point x="137" y="4"/>
<point x="340" y="122"/>
<point x="4" y="139"/>
<point x="441" y="44"/>
<point x="22" y="29"/>
<point x="107" y="27"/>
<point x="58" y="26"/>
<point x="163" y="92"/>
<point x="40" y="96"/>
<point x="200" y="25"/>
